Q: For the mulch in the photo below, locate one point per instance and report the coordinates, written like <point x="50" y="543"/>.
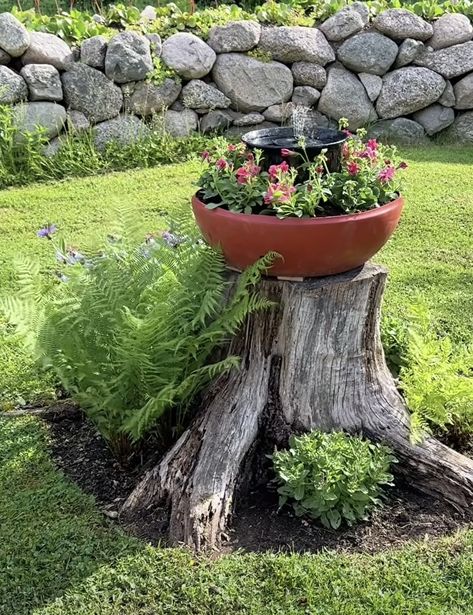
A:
<point x="80" y="452"/>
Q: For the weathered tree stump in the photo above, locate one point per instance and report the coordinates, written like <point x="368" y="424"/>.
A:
<point x="314" y="361"/>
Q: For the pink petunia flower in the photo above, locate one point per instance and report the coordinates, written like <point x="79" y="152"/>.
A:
<point x="353" y="168"/>
<point x="278" y="193"/>
<point x="372" y="144"/>
<point x="221" y="164"/>
<point x="276" y="169"/>
<point x="231" y="147"/>
<point x="246" y="172"/>
<point x="402" y="165"/>
<point x="386" y="174"/>
<point x="205" y="155"/>
<point x="286" y="153"/>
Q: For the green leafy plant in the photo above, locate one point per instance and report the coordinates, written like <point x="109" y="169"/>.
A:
<point x="333" y="477"/>
<point x="129" y="329"/>
<point x="260" y="54"/>
<point x="161" y="72"/>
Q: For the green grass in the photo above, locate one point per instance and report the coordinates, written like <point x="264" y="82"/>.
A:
<point x="58" y="555"/>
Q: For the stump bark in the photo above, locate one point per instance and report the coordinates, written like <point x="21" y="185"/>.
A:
<point x="314" y="361"/>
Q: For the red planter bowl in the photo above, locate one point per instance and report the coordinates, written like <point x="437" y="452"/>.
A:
<point x="309" y="247"/>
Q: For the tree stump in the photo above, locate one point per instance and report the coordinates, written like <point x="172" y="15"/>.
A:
<point x="314" y="361"/>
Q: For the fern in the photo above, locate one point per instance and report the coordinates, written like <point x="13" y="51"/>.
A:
<point x="133" y="332"/>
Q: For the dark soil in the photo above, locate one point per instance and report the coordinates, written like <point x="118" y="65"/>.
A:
<point x="80" y="452"/>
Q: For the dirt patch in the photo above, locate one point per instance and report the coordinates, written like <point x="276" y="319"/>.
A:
<point x="80" y="452"/>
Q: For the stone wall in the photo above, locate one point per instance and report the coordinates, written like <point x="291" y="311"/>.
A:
<point x="404" y="77"/>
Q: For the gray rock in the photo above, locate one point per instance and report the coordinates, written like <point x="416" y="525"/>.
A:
<point x="401" y="23"/>
<point x="88" y="90"/>
<point x="409" y="49"/>
<point x="308" y="73"/>
<point x="400" y="131"/>
<point x="368" y="52"/>
<point x="48" y="117"/>
<point x="44" y="82"/>
<point x="451" y="29"/>
<point x="93" y="51"/>
<point x="435" y="118"/>
<point x="234" y="36"/>
<point x="48" y="49"/>
<point x="463" y="91"/>
<point x="14" y="37"/>
<point x="296" y="44"/>
<point x="318" y="119"/>
<point x="4" y="57"/>
<point x="200" y="95"/>
<point x="461" y="131"/>
<point x="181" y="123"/>
<point x="343" y="24"/>
<point x="279" y="113"/>
<point x="99" y="19"/>
<point x="77" y="122"/>
<point x="451" y="62"/>
<point x="345" y="96"/>
<point x="148" y="98"/>
<point x="407" y="90"/>
<point x="52" y="148"/>
<point x="188" y="55"/>
<point x="448" y="97"/>
<point x="373" y="85"/>
<point x="215" y="121"/>
<point x="249" y="119"/>
<point x="123" y="130"/>
<point x="238" y="131"/>
<point x="128" y="57"/>
<point x="148" y="14"/>
<point x="155" y="43"/>
<point x="250" y="84"/>
<point x="177" y="106"/>
<point x="305" y="95"/>
<point x="12" y="87"/>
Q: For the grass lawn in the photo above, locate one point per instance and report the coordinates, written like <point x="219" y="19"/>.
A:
<point x="57" y="553"/>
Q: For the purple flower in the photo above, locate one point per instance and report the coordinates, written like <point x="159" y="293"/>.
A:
<point x="47" y="231"/>
<point x="172" y="240"/>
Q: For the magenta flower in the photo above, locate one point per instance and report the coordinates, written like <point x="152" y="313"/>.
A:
<point x="386" y="174"/>
<point x="221" y="164"/>
<point x="47" y="231"/>
<point x="402" y="165"/>
<point x="246" y="172"/>
<point x="287" y="153"/>
<point x="278" y="193"/>
<point x="205" y="155"/>
<point x="353" y="168"/>
<point x="231" y="147"/>
<point x="277" y="169"/>
<point x="372" y="144"/>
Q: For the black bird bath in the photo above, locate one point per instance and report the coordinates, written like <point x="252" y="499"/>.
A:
<point x="273" y="140"/>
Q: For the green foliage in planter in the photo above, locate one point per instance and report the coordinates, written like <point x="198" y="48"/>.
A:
<point x="333" y="477"/>
<point x="129" y="329"/>
<point x="436" y="376"/>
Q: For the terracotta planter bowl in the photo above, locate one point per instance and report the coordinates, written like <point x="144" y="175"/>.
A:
<point x="309" y="247"/>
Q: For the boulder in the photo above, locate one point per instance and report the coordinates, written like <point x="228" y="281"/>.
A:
<point x="401" y="131"/>
<point x="435" y="118"/>
<point x="4" y="58"/>
<point x="188" y="55"/>
<point x="448" y="97"/>
<point x="409" y="49"/>
<point x="123" y="130"/>
<point x="238" y="131"/>
<point x="48" y="49"/>
<point x="128" y="57"/>
<point x="463" y="91"/>
<point x="181" y="123"/>
<point x="450" y="29"/>
<point x="461" y="131"/>
<point x="401" y="23"/>
<point x="49" y="117"/>
<point x="372" y="83"/>
<point x="279" y="113"/>
<point x="296" y="44"/>
<point x="44" y="82"/>
<point x="368" y="52"/>
<point x="12" y="87"/>
<point x="305" y="95"/>
<point x="77" y="122"/>
<point x="148" y="14"/>
<point x="93" y="51"/>
<point x="343" y="24"/>
<point x="249" y="119"/>
<point x="88" y="90"/>
<point x="250" y="84"/>
<point x="234" y="36"/>
<point x="407" y="90"/>
<point x="345" y="96"/>
<point x="14" y="37"/>
<point x="52" y="148"/>
<point x="155" y="43"/>
<point x="451" y="62"/>
<point x="215" y="121"/>
<point x="308" y="73"/>
<point x="147" y="98"/>
<point x="200" y="95"/>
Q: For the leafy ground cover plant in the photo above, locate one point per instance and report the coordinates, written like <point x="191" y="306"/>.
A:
<point x="369" y="177"/>
<point x="129" y="329"/>
<point x="332" y="477"/>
